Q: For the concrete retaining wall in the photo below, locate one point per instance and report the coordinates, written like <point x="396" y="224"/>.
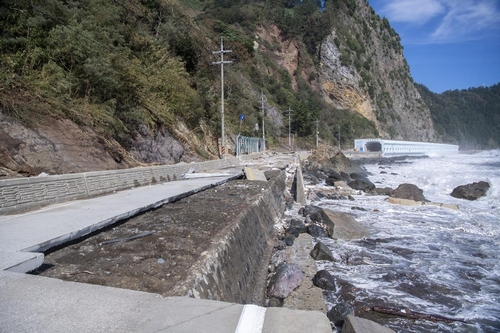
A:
<point x="235" y="269"/>
<point x="17" y="195"/>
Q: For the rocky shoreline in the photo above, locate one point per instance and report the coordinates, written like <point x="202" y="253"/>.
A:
<point x="290" y="280"/>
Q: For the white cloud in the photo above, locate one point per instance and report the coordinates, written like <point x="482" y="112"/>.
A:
<point x="452" y="20"/>
<point x="412" y="11"/>
<point x="467" y="19"/>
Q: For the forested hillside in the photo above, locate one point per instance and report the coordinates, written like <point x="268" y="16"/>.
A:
<point x="470" y="118"/>
<point x="136" y="79"/>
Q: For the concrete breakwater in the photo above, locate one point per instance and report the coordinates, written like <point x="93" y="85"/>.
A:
<point x="235" y="268"/>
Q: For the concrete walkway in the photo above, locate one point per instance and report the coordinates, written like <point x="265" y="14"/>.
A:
<point x="38" y="304"/>
<point x="24" y="236"/>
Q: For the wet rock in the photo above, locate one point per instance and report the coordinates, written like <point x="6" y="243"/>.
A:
<point x="309" y="210"/>
<point x="383" y="191"/>
<point x="298" y="225"/>
<point x="410" y="192"/>
<point x="472" y="191"/>
<point x="321" y="252"/>
<point x="278" y="258"/>
<point x="324" y="280"/>
<point x="287" y="278"/>
<point x="363" y="184"/>
<point x="313" y="212"/>
<point x="345" y="176"/>
<point x="293" y="231"/>
<point x="280" y="245"/>
<point x="289" y="239"/>
<point x="317" y="231"/>
<point x="339" y="312"/>
<point x="358" y="175"/>
<point x="342" y="226"/>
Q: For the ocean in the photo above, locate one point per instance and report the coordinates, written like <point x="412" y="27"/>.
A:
<point x="426" y="259"/>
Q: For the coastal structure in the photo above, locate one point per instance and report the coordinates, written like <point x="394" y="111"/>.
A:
<point x="388" y="148"/>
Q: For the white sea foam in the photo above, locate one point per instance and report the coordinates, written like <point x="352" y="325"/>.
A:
<point x="429" y="259"/>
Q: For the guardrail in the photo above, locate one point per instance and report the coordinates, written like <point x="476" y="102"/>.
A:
<point x="249" y="145"/>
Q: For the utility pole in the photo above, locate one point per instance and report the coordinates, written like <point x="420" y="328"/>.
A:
<point x="317" y="132"/>
<point x="263" y="115"/>
<point x="221" y="63"/>
<point x="289" y="112"/>
<point x="339" y="135"/>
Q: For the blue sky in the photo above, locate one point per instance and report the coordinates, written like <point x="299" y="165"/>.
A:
<point x="449" y="44"/>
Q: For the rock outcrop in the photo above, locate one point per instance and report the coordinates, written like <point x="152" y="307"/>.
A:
<point x="472" y="191"/>
<point x="363" y="69"/>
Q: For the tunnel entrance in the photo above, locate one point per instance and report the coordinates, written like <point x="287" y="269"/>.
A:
<point x="373" y="146"/>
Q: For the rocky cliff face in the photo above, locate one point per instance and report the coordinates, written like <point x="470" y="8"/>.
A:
<point x="362" y="68"/>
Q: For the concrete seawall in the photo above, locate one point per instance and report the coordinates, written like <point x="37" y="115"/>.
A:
<point x="235" y="269"/>
<point x="21" y="194"/>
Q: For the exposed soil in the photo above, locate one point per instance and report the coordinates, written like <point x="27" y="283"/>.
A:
<point x="157" y="262"/>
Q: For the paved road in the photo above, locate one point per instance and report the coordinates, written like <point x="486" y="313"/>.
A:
<point x="38" y="304"/>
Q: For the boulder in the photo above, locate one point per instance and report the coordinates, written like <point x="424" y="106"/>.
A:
<point x="338" y="313"/>
<point x="321" y="252"/>
<point x="317" y="231"/>
<point x="278" y="258"/>
<point x="384" y="191"/>
<point x="289" y="239"/>
<point x="362" y="184"/>
<point x="287" y="278"/>
<point x="324" y="280"/>
<point x="342" y="226"/>
<point x="410" y="192"/>
<point x="358" y="175"/>
<point x="471" y="191"/>
<point x="299" y="225"/>
<point x="313" y="212"/>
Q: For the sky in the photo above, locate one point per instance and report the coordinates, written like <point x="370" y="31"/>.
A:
<point x="449" y="44"/>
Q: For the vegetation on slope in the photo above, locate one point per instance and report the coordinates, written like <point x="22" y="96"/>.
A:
<point x="468" y="117"/>
<point x="114" y="65"/>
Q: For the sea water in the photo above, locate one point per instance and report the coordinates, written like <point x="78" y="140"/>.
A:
<point x="427" y="259"/>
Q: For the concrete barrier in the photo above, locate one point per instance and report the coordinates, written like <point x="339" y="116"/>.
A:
<point x="235" y="270"/>
<point x="20" y="194"/>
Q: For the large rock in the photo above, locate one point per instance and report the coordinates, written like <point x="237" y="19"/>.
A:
<point x="287" y="278"/>
<point x="321" y="252"/>
<point x="278" y="258"/>
<point x="338" y="313"/>
<point x="313" y="212"/>
<point x="299" y="225"/>
<point x="361" y="184"/>
<point x="342" y="226"/>
<point x="409" y="191"/>
<point x="324" y="280"/>
<point x="317" y="231"/>
<point x="330" y="158"/>
<point x="471" y="191"/>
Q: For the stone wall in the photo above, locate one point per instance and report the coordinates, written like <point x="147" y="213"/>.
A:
<point x="21" y="194"/>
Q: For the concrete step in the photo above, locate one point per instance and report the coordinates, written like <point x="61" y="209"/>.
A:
<point x="38" y="304"/>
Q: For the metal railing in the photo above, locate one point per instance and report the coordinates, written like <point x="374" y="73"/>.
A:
<point x="249" y="145"/>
